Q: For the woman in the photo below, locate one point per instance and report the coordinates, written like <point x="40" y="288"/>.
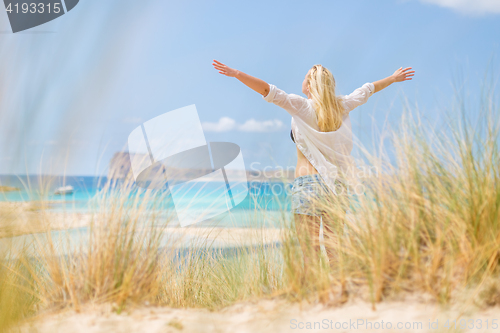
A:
<point x="321" y="130"/>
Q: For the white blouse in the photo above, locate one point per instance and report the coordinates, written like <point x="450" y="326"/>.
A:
<point x="328" y="152"/>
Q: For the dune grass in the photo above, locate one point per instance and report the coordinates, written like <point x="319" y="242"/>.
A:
<point x="426" y="223"/>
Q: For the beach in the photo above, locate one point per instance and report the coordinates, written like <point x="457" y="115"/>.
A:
<point x="21" y="218"/>
<point x="28" y="223"/>
<point x="405" y="312"/>
<point x="417" y="313"/>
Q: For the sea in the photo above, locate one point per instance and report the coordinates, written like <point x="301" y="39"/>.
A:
<point x="267" y="204"/>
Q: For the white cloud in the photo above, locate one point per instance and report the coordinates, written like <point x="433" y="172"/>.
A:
<point x="223" y="125"/>
<point x="475" y="7"/>
<point x="253" y="125"/>
<point x="226" y="124"/>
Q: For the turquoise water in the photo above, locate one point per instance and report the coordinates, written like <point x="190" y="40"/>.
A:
<point x="31" y="189"/>
<point x="266" y="205"/>
<point x="268" y="200"/>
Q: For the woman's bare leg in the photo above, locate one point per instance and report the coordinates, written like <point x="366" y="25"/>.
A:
<point x="333" y="221"/>
<point x="307" y="228"/>
<point x="332" y="229"/>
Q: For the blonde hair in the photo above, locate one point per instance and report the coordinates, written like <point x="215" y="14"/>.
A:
<point x="328" y="106"/>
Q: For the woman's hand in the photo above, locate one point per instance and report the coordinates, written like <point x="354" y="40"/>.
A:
<point x="402" y="74"/>
<point x="254" y="83"/>
<point x="398" y="76"/>
<point x="223" y="69"/>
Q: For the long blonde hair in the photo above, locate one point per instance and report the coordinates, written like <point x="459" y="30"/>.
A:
<point x="328" y="106"/>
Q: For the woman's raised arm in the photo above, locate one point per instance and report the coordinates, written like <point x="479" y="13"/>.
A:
<point x="398" y="76"/>
<point x="293" y="104"/>
<point x="254" y="83"/>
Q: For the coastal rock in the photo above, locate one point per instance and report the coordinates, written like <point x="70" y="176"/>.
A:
<point x="120" y="168"/>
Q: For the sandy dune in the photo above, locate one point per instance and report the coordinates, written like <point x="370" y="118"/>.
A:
<point x="272" y="316"/>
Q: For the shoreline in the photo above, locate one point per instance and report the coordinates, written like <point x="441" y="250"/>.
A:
<point x="22" y="224"/>
<point x="25" y="218"/>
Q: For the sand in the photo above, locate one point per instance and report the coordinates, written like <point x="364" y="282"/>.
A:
<point x="21" y="218"/>
<point x="22" y="224"/>
<point x="274" y="315"/>
<point x="417" y="313"/>
<point x="9" y="189"/>
<point x="25" y="218"/>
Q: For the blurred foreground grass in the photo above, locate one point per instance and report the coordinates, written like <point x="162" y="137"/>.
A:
<point x="427" y="223"/>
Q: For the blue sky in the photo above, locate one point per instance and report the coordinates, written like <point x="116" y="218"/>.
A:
<point x="73" y="89"/>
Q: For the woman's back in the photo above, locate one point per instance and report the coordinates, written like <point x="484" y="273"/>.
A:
<point x="304" y="116"/>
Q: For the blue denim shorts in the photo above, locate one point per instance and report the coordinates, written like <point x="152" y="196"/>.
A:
<point x="307" y="190"/>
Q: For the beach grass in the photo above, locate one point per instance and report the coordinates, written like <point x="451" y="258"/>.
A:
<point x="428" y="222"/>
